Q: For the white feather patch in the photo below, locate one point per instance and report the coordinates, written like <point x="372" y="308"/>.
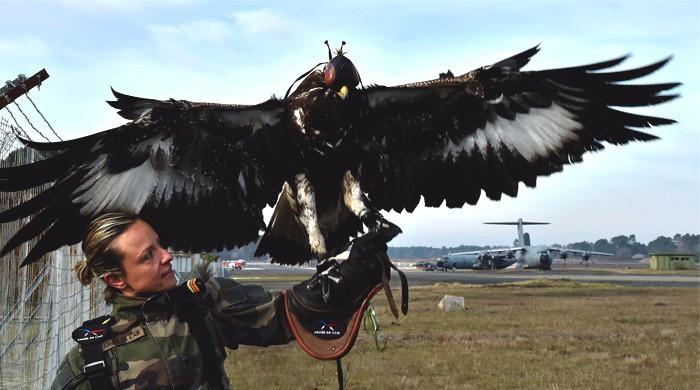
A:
<point x="352" y="195"/>
<point x="306" y="199"/>
<point x="154" y="180"/>
<point x="125" y="191"/>
<point x="539" y="133"/>
<point x="298" y="119"/>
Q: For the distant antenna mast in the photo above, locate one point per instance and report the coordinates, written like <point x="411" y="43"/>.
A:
<point x="18" y="87"/>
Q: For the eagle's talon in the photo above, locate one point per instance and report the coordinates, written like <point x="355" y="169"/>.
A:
<point x="326" y="274"/>
<point x="375" y="222"/>
<point x="388" y="230"/>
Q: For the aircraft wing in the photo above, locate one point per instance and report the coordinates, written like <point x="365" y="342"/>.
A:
<point x="493" y="251"/>
<point x="581" y="252"/>
<point x="468" y="253"/>
<point x="501" y="251"/>
<point x="504" y="251"/>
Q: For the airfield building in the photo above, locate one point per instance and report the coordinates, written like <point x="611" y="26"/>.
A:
<point x="671" y="261"/>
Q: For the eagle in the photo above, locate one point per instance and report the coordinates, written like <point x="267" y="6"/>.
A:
<point x="329" y="157"/>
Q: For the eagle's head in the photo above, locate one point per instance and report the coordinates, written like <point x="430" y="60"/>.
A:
<point x="340" y="73"/>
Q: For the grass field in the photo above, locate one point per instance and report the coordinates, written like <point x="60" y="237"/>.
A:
<point x="531" y="335"/>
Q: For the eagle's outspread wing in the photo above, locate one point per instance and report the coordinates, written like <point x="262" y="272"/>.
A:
<point x="491" y="128"/>
<point x="189" y="168"/>
<point x="200" y="173"/>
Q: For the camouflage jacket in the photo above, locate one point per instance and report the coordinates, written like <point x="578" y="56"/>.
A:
<point x="150" y="348"/>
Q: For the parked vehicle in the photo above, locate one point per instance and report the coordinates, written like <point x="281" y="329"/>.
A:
<point x="234" y="264"/>
<point x="422" y="265"/>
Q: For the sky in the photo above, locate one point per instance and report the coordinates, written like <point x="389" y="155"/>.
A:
<point x="244" y="52"/>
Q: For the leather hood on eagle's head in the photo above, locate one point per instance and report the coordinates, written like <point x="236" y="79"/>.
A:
<point x="339" y="72"/>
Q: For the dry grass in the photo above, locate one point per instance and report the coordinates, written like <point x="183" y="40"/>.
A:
<point x="531" y="335"/>
<point x="625" y="271"/>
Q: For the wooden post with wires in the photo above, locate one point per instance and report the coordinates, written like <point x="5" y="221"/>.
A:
<point x="20" y="87"/>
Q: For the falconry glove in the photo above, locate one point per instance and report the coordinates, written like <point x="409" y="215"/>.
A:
<point x="325" y="312"/>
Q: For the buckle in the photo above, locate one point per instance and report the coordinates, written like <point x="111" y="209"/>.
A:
<point x="94" y="368"/>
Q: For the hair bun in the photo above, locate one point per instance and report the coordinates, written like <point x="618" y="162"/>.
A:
<point x="83" y="272"/>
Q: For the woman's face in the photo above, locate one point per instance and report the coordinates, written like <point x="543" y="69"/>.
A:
<point x="148" y="266"/>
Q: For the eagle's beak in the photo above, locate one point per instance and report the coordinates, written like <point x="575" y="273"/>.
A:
<point x="343" y="93"/>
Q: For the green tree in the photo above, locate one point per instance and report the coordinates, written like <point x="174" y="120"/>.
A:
<point x="209" y="258"/>
<point x="638" y="247"/>
<point x="687" y="243"/>
<point x="581" y="245"/>
<point x="661" y="244"/>
<point x="620" y="241"/>
<point x="604" y="245"/>
<point x="624" y="252"/>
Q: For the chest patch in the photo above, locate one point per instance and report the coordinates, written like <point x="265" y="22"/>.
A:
<point x="124" y="338"/>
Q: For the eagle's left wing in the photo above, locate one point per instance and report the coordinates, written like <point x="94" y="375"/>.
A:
<point x="449" y="138"/>
<point x="199" y="173"/>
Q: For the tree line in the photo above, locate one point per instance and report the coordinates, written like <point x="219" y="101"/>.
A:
<point x="622" y="246"/>
<point x="627" y="246"/>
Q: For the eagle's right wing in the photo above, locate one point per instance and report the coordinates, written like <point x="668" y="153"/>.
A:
<point x="448" y="139"/>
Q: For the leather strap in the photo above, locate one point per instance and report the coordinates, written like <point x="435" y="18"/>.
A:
<point x="387" y="288"/>
<point x="90" y="336"/>
<point x="95" y="368"/>
<point x="404" y="288"/>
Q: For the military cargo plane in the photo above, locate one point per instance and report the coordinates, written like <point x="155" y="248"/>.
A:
<point x="523" y="255"/>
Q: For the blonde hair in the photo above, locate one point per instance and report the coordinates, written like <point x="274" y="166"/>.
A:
<point x="100" y="256"/>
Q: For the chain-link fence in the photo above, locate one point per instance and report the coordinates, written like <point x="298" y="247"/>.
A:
<point x="42" y="303"/>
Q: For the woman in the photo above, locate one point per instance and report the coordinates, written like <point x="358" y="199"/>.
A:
<point x="160" y="335"/>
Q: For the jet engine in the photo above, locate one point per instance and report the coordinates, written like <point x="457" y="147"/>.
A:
<point x="545" y="262"/>
<point x="484" y="261"/>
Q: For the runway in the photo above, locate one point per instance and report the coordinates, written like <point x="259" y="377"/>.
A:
<point x="276" y="277"/>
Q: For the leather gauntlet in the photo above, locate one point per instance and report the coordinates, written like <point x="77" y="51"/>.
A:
<point x="325" y="312"/>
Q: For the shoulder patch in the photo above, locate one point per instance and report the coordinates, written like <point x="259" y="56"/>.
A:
<point x="124" y="338"/>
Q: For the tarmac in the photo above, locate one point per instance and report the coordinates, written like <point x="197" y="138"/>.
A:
<point x="630" y="273"/>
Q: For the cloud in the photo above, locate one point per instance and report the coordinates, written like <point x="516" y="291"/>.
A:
<point x="119" y="5"/>
<point x="187" y="43"/>
<point x="210" y="31"/>
<point x="24" y="46"/>
<point x="262" y="21"/>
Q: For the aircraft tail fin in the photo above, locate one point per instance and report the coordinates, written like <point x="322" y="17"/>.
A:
<point x="522" y="240"/>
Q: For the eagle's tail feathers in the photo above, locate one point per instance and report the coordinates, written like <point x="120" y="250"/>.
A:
<point x="285" y="239"/>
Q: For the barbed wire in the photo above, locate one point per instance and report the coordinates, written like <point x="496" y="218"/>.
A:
<point x="42" y="117"/>
<point x="18" y="126"/>
<point x="30" y="122"/>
